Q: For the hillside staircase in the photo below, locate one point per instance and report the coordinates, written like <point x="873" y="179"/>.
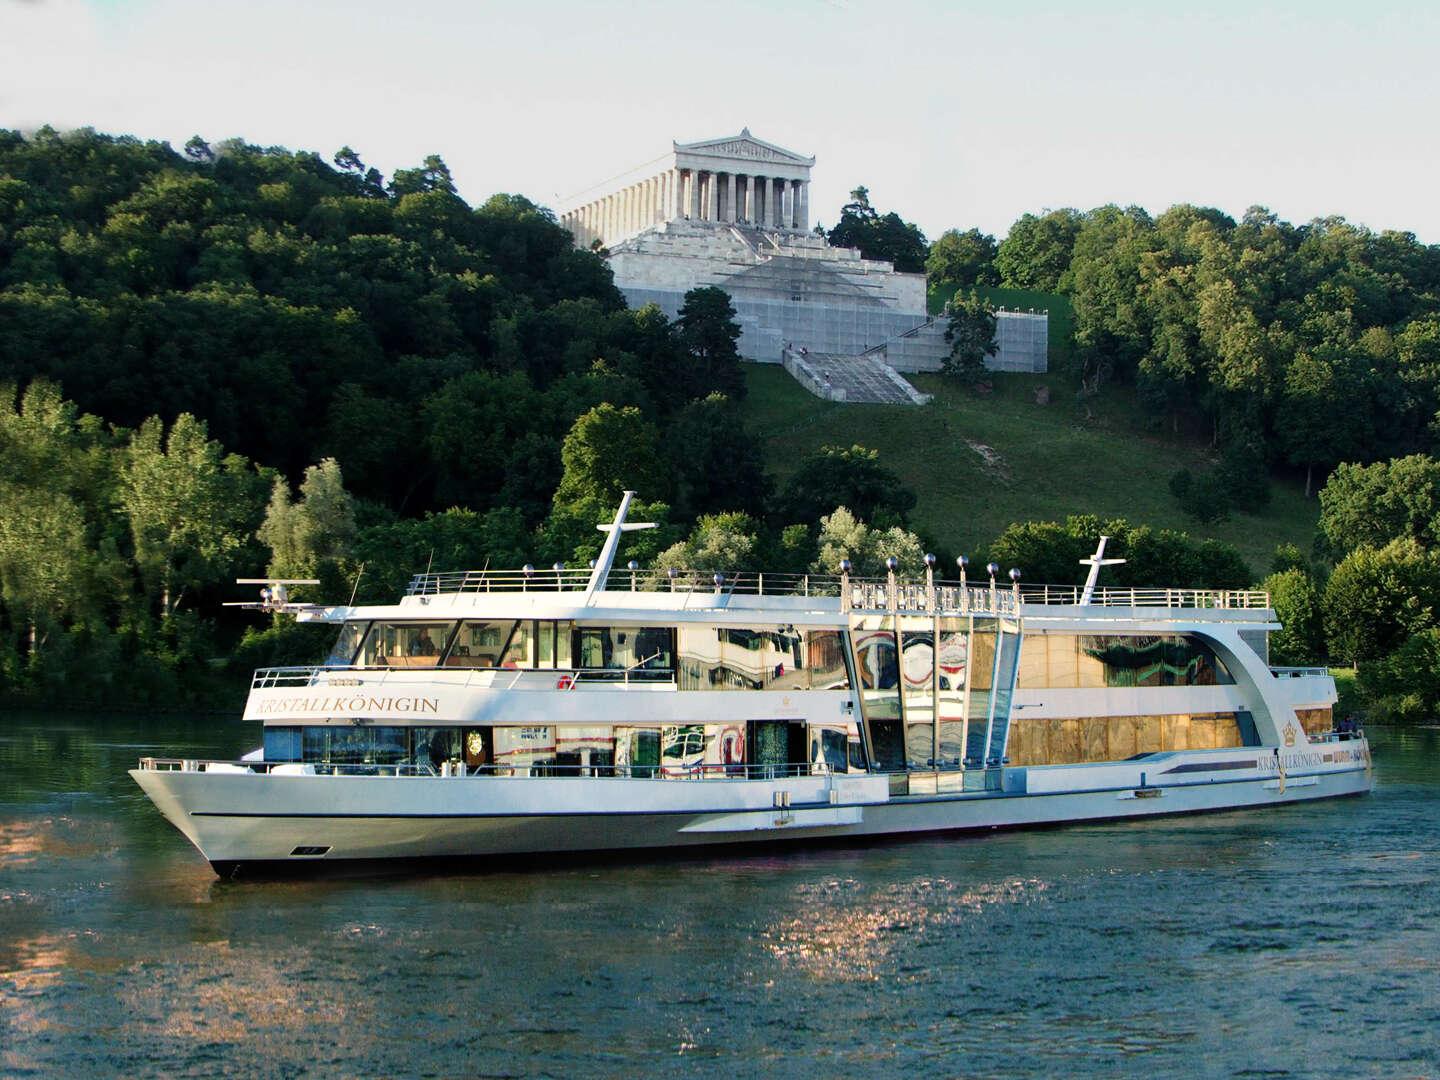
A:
<point x="866" y="378"/>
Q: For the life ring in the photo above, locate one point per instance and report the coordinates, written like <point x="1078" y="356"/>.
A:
<point x="565" y="682"/>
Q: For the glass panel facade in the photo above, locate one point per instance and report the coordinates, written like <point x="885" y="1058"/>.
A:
<point x="917" y="684"/>
<point x="1006" y="657"/>
<point x="953" y="659"/>
<point x="1065" y="661"/>
<point x="877" y="667"/>
<point x="688" y="750"/>
<point x="982" y="678"/>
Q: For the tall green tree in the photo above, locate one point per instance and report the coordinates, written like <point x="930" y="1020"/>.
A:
<point x="708" y="332"/>
<point x="190" y="506"/>
<point x="886" y="237"/>
<point x="971" y="336"/>
<point x="1371" y="505"/>
<point x="852" y="477"/>
<point x="1377" y="597"/>
<point x="1036" y="252"/>
<point x="310" y="536"/>
<point x="966" y="259"/>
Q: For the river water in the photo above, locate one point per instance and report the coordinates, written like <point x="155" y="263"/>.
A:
<point x="1301" y="941"/>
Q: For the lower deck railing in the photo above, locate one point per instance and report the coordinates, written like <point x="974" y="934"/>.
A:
<point x="460" y="769"/>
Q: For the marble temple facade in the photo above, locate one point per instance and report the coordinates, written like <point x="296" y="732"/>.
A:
<point x="734" y="212"/>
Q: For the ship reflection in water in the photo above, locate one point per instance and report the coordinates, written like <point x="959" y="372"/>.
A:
<point x="1216" y="945"/>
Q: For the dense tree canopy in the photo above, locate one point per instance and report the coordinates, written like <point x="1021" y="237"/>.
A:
<point x="879" y="236"/>
<point x="964" y="258"/>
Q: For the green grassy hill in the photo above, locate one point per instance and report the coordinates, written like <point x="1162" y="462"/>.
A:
<point x="979" y="463"/>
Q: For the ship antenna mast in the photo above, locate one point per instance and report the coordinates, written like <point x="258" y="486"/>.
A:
<point x="612" y="546"/>
<point x="1095" y="562"/>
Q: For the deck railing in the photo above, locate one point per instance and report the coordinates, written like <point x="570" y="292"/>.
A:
<point x="458" y="769"/>
<point x="1228" y="599"/>
<point x="871" y="593"/>
<point x="495" y="678"/>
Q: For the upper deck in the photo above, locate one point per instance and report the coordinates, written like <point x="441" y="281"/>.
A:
<point x="831" y="594"/>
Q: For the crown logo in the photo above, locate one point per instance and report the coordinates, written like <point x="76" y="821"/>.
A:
<point x="1290" y="733"/>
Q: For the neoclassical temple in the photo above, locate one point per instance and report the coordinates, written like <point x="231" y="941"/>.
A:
<point x="734" y="212"/>
<point x="740" y="180"/>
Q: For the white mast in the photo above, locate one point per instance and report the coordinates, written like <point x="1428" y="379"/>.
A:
<point x="612" y="545"/>
<point x="1095" y="562"/>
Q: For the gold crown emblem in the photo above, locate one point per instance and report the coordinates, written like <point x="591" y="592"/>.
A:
<point x="1290" y="734"/>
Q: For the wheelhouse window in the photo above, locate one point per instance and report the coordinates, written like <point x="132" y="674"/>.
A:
<point x="342" y="653"/>
<point x="404" y="644"/>
<point x="480" y="643"/>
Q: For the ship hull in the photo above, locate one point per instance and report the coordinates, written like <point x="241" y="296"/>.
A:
<point x="261" y="825"/>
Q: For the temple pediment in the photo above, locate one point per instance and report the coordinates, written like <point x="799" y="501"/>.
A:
<point x="745" y="147"/>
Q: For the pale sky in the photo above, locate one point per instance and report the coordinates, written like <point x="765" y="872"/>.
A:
<point x="953" y="114"/>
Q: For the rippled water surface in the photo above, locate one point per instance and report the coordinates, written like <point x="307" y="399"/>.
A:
<point x="1302" y="941"/>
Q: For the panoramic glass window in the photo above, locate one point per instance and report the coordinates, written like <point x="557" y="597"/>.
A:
<point x="750" y="658"/>
<point x="1104" y="660"/>
<point x="1063" y="741"/>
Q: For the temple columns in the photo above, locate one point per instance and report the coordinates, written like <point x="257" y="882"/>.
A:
<point x="730" y="214"/>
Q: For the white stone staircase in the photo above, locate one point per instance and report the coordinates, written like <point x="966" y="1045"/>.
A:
<point x="852" y="379"/>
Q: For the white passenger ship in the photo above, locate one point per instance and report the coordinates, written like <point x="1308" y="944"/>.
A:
<point x="534" y="713"/>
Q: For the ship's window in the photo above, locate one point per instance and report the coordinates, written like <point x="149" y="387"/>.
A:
<point x="829" y="746"/>
<point x="584" y="751"/>
<point x="520" y="653"/>
<point x="362" y="745"/>
<point x="404" y="644"/>
<point x="430" y="748"/>
<point x="1042" y="740"/>
<point x="282" y="744"/>
<point x="343" y="652"/>
<point x="634" y="652"/>
<point x="682" y="747"/>
<point x="745" y="658"/>
<point x="637" y="751"/>
<point x="480" y="643"/>
<point x="1108" y="660"/>
<point x="888" y="738"/>
<point x="552" y="644"/>
<point x="524" y="751"/>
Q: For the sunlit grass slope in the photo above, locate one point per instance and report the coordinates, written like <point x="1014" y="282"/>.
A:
<point x="1044" y="461"/>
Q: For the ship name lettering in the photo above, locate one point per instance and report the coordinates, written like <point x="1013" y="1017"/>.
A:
<point x="350" y="705"/>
